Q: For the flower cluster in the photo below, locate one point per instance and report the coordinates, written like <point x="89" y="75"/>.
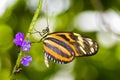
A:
<point x="26" y="60"/>
<point x="19" y="41"/>
<point x="25" y="46"/>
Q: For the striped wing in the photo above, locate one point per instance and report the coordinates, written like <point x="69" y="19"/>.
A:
<point x="84" y="46"/>
<point x="63" y="47"/>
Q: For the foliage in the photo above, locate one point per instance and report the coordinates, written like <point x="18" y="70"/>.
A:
<point x="102" y="66"/>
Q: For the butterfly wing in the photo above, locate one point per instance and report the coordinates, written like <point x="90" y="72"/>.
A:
<point x="84" y="46"/>
<point x="58" y="49"/>
<point x="63" y="47"/>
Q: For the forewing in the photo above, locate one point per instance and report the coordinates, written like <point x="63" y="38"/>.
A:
<point x="84" y="46"/>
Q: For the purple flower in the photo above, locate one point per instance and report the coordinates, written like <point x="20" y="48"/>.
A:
<point x="26" y="45"/>
<point x="26" y="60"/>
<point x="19" y="38"/>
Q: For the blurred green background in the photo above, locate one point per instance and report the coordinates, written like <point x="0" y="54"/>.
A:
<point x="16" y="15"/>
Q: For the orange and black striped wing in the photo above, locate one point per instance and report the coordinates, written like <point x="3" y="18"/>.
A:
<point x="63" y="47"/>
<point x="58" y="48"/>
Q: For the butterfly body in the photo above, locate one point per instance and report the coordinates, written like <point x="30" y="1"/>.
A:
<point x="63" y="47"/>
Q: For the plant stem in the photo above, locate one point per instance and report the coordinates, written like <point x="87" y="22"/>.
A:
<point x="35" y="17"/>
<point x="31" y="27"/>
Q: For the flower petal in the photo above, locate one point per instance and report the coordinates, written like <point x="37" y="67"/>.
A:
<point x="26" y="45"/>
<point x="26" y="60"/>
<point x="19" y="38"/>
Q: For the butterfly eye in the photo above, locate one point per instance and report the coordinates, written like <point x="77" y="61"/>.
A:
<point x="44" y="31"/>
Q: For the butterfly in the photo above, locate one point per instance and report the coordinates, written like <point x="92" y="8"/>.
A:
<point x="63" y="47"/>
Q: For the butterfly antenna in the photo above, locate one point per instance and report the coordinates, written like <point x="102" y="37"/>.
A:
<point x="47" y="15"/>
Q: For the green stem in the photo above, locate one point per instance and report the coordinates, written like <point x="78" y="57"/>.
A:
<point x="35" y="17"/>
<point x="12" y="77"/>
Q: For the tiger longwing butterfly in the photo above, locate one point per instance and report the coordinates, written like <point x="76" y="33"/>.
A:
<point x="63" y="47"/>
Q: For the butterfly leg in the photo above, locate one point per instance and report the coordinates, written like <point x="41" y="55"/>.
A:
<point x="46" y="60"/>
<point x="36" y="31"/>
